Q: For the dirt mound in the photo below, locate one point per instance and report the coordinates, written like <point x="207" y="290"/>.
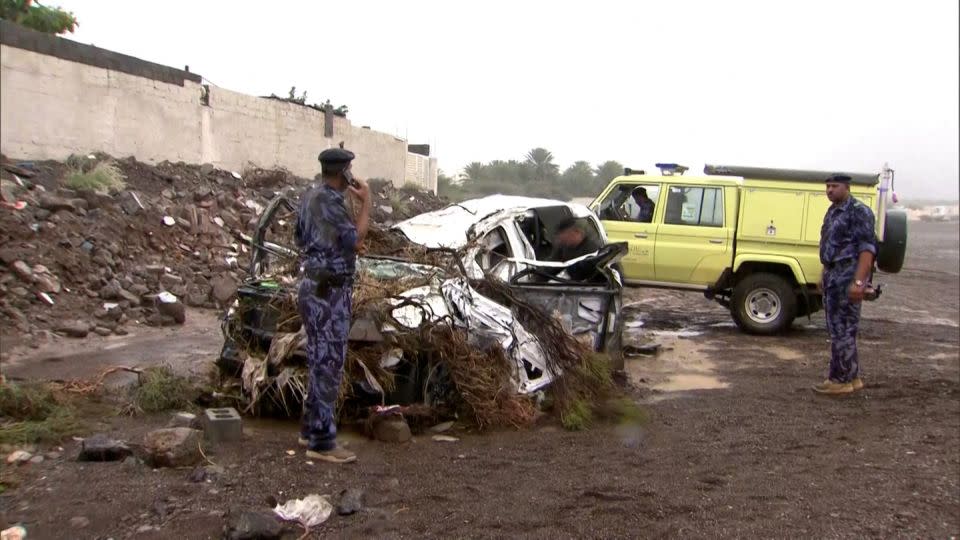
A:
<point x="75" y="260"/>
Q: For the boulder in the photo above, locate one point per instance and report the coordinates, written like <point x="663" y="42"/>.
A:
<point x="250" y="525"/>
<point x="393" y="429"/>
<point x="74" y="329"/>
<point x="173" y="447"/>
<point x="102" y="448"/>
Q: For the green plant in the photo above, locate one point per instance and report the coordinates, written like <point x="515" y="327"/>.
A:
<point x="103" y="178"/>
<point x="160" y="389"/>
<point x="33" y="15"/>
<point x="31" y="413"/>
<point x="577" y="416"/>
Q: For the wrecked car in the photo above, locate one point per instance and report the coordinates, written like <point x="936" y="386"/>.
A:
<point x="493" y="239"/>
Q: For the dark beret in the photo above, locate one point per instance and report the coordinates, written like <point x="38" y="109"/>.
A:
<point x="335" y="155"/>
<point x="838" y="178"/>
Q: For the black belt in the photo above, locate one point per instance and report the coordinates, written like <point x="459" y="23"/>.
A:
<point x="328" y="279"/>
<point x="839" y="264"/>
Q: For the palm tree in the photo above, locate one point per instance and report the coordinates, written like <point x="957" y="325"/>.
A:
<point x="474" y="171"/>
<point x="543" y="166"/>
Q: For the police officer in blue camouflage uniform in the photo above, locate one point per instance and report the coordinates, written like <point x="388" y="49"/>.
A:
<point x="328" y="239"/>
<point x="848" y="248"/>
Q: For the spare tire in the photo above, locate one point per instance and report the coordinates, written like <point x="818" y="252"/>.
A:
<point x="893" y="248"/>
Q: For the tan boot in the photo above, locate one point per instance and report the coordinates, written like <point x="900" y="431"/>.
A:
<point x="857" y="383"/>
<point x="829" y="387"/>
<point x="337" y="455"/>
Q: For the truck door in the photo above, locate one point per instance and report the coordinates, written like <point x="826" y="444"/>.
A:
<point x="629" y="216"/>
<point x="693" y="240"/>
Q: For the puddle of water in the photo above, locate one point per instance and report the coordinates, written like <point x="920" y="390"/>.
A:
<point x="689" y="381"/>
<point x="680" y="366"/>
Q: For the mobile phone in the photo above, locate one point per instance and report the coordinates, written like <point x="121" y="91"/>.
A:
<point x="350" y="179"/>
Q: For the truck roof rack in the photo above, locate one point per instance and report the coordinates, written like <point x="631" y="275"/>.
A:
<point x="791" y="175"/>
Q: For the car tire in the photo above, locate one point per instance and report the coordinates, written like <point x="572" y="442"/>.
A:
<point x="893" y="248"/>
<point x="763" y="304"/>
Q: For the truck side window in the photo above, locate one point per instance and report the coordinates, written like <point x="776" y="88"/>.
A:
<point x="694" y="206"/>
<point x="631" y="202"/>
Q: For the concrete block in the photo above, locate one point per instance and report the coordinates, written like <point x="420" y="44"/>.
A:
<point x="222" y="425"/>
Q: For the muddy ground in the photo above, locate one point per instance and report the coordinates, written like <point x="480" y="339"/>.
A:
<point x="737" y="444"/>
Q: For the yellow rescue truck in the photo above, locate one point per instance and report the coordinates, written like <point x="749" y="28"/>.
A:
<point x="747" y="237"/>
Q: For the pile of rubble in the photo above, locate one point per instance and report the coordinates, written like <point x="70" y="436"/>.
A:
<point x="76" y="261"/>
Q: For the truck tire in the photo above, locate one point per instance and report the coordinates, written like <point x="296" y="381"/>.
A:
<point x="893" y="248"/>
<point x="763" y="304"/>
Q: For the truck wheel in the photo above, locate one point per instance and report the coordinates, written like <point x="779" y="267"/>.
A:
<point x="893" y="249"/>
<point x="763" y="304"/>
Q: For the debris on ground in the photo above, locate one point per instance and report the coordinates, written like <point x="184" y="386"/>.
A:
<point x="309" y="511"/>
<point x="98" y="240"/>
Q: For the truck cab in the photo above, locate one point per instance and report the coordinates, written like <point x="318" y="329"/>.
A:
<point x="746" y="237"/>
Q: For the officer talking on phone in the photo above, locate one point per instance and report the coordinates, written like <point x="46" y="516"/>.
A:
<point x="328" y="238"/>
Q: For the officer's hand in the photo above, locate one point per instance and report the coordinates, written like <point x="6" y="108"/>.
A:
<point x="362" y="193"/>
<point x="856" y="293"/>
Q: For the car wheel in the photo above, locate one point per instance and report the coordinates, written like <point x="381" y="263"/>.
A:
<point x="763" y="304"/>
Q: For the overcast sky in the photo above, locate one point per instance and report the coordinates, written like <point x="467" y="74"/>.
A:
<point x="818" y="84"/>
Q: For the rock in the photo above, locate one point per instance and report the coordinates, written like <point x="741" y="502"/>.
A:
<point x="79" y="522"/>
<point x="8" y="256"/>
<point x="102" y="448"/>
<point x="392" y="429"/>
<point x="173" y="447"/>
<point x="145" y="528"/>
<point x="250" y="525"/>
<point x="196" y="299"/>
<point x="46" y="282"/>
<point x="207" y="168"/>
<point x="111" y="291"/>
<point x="75" y="329"/>
<point x="130" y="202"/>
<point x="53" y="456"/>
<point x="129" y="297"/>
<point x="351" y="501"/>
<point x="175" y="310"/>
<point x="444" y="438"/>
<point x="139" y="290"/>
<point x="185" y="419"/>
<point x="202" y="474"/>
<point x="103" y="331"/>
<point x="41" y="214"/>
<point x="23" y="270"/>
<point x="224" y="287"/>
<point x="441" y="427"/>
<point x="36" y="460"/>
<point x="386" y="209"/>
<point x="169" y="281"/>
<point x="167" y="194"/>
<point x="19" y="457"/>
<point x="53" y="203"/>
<point x="80" y="204"/>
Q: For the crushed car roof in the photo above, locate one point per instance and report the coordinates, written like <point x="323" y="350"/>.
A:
<point x="449" y="226"/>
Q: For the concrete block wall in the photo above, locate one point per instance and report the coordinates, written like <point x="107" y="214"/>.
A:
<point x="51" y="108"/>
<point x="58" y="98"/>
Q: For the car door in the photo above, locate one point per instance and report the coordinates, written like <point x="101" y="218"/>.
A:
<point x="619" y="214"/>
<point x="693" y="242"/>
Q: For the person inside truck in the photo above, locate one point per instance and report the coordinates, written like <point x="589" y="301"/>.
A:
<point x="643" y="211"/>
<point x="571" y="240"/>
